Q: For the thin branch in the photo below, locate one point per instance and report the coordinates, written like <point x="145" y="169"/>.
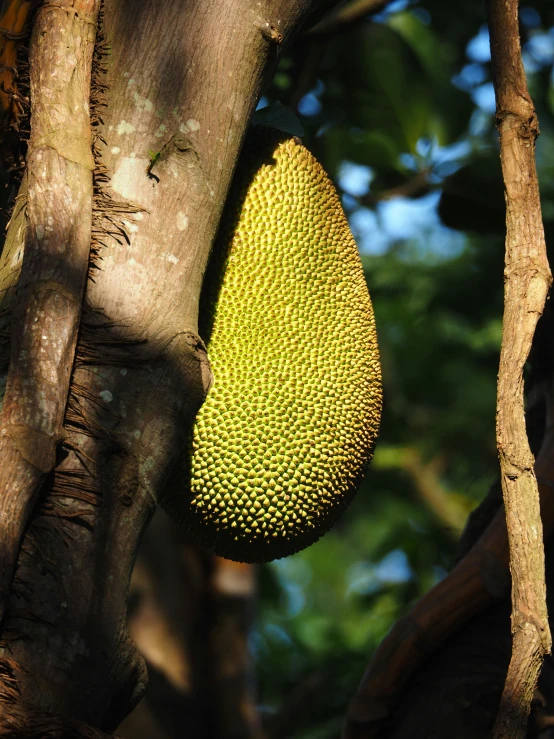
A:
<point x="308" y="62"/>
<point x="415" y="187"/>
<point x="312" y="46"/>
<point x="475" y="582"/>
<point x="527" y="279"/>
<point x="426" y="478"/>
<point x="347" y="16"/>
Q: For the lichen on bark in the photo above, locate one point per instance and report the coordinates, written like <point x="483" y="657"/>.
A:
<point x="140" y="370"/>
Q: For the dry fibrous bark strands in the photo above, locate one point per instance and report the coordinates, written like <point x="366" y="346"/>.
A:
<point x="15" y="24"/>
<point x="14" y="18"/>
<point x="23" y="724"/>
<point x="137" y="351"/>
<point x="49" y="294"/>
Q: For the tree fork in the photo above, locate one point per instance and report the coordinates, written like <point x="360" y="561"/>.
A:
<point x="182" y="80"/>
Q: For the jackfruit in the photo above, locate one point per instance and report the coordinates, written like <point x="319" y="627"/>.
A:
<point x="290" y="423"/>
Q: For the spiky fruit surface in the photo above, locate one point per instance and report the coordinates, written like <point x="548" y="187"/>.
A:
<point x="289" y="426"/>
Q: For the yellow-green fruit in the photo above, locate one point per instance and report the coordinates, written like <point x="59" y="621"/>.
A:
<point x="289" y="425"/>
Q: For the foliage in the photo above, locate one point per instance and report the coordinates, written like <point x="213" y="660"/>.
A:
<point x="401" y="113"/>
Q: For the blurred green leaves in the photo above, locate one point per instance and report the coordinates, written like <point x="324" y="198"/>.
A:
<point x="396" y="109"/>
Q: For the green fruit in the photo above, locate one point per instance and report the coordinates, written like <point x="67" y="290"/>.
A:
<point x="290" y="423"/>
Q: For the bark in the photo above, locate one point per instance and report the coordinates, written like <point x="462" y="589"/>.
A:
<point x="428" y="685"/>
<point x="467" y="589"/>
<point x="190" y="616"/>
<point x="182" y="79"/>
<point x="51" y="284"/>
<point x="527" y="279"/>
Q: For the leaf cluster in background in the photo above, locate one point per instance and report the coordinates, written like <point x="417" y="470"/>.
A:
<point x="400" y="111"/>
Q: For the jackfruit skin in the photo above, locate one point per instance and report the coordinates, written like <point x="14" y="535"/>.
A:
<point x="287" y="430"/>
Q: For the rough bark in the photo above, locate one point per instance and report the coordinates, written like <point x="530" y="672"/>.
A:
<point x="527" y="279"/>
<point x="467" y="589"/>
<point x="190" y="616"/>
<point x="50" y="290"/>
<point x="182" y="79"/>
<point x="469" y="667"/>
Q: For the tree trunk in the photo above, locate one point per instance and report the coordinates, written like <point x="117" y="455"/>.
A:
<point x="190" y="616"/>
<point x="174" y="85"/>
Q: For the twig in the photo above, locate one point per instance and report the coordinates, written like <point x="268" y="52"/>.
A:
<point x="347" y="16"/>
<point x="527" y="279"/>
<point x="310" y="55"/>
<point x="313" y="45"/>
<point x="415" y="187"/>
<point x="426" y="478"/>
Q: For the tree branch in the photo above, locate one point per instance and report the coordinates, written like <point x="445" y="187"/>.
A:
<point x="348" y="15"/>
<point x="473" y="583"/>
<point x="51" y="285"/>
<point x="415" y="187"/>
<point x="527" y="279"/>
<point x="310" y="48"/>
<point x="426" y="478"/>
<point x="190" y="617"/>
<point x="182" y="80"/>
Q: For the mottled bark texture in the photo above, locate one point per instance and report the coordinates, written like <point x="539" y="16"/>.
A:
<point x="180" y="81"/>
<point x="47" y="309"/>
<point x="527" y="279"/>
